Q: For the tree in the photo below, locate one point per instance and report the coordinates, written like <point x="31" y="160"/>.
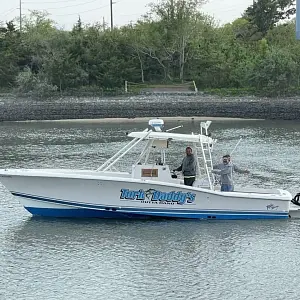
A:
<point x="265" y="14"/>
<point x="9" y="52"/>
<point x="78" y="27"/>
<point x="33" y="84"/>
<point x="175" y="41"/>
<point x="168" y="29"/>
<point x="273" y="69"/>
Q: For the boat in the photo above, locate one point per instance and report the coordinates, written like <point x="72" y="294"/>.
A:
<point x="149" y="189"/>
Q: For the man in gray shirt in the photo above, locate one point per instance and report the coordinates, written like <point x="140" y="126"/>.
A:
<point x="188" y="167"/>
<point x="226" y="170"/>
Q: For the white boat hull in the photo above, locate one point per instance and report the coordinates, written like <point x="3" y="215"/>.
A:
<point x="294" y="212"/>
<point x="66" y="193"/>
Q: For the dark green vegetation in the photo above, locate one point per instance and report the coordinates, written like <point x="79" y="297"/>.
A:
<point x="175" y="42"/>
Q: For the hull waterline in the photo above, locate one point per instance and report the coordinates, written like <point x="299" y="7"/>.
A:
<point x="40" y="206"/>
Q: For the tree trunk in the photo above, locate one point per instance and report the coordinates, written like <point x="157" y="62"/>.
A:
<point x="60" y="84"/>
<point x="182" y="59"/>
<point x="166" y="74"/>
<point x="141" y="66"/>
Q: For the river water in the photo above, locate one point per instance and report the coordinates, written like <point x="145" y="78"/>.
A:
<point x="108" y="259"/>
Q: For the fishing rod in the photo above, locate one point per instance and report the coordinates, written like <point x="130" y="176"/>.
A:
<point x="236" y="146"/>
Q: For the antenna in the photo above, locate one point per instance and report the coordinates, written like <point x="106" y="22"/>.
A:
<point x="174" y="128"/>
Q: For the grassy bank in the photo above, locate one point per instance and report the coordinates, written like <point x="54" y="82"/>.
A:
<point x="79" y="92"/>
<point x="264" y="92"/>
<point x="151" y="89"/>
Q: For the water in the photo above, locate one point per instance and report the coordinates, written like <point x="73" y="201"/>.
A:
<point x="109" y="259"/>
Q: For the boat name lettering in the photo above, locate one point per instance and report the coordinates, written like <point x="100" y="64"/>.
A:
<point x="154" y="195"/>
<point x="272" y="206"/>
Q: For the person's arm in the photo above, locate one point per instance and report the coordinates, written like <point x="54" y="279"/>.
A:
<point x="215" y="169"/>
<point x="217" y="166"/>
<point x="222" y="172"/>
<point x="194" y="165"/>
<point x="192" y="161"/>
<point x="218" y="172"/>
<point x="178" y="169"/>
<point x="239" y="170"/>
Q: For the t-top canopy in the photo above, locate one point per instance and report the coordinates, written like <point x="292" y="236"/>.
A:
<point x="192" y="138"/>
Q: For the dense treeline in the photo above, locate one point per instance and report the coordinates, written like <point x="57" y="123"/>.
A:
<point x="175" y="42"/>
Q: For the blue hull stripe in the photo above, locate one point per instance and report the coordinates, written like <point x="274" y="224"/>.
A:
<point x="91" y="213"/>
<point x="82" y="213"/>
<point x="112" y="211"/>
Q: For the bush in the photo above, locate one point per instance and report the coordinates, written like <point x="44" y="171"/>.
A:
<point x="30" y="84"/>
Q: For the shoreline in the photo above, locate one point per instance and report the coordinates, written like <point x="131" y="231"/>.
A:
<point x="136" y="120"/>
<point x="140" y="108"/>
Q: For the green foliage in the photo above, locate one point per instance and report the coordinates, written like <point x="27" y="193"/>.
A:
<point x="265" y="14"/>
<point x="31" y="84"/>
<point x="174" y="43"/>
<point x="273" y="71"/>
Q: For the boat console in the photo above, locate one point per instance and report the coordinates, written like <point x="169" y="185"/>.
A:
<point x="154" y="172"/>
